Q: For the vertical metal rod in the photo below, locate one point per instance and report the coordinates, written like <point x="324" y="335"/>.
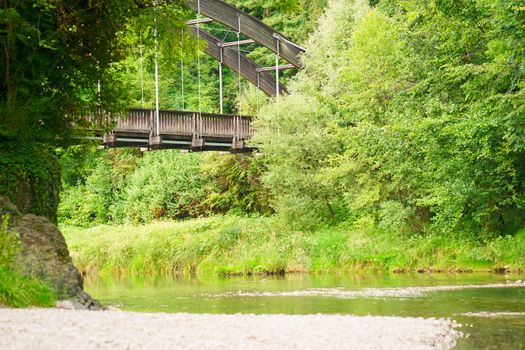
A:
<point x="199" y="54"/>
<point x="157" y="108"/>
<point x="239" y="60"/>
<point x="220" y="82"/>
<point x="257" y="90"/>
<point x="182" y="69"/>
<point x="141" y="74"/>
<point x="277" y="92"/>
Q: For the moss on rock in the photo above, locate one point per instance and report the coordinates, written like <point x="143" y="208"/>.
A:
<point x="44" y="255"/>
<point x="30" y="178"/>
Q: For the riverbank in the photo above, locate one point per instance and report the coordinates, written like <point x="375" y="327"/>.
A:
<point x="238" y="245"/>
<point x="60" y="329"/>
<point x="17" y="290"/>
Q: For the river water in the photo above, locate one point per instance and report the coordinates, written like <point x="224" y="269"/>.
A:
<point x="491" y="308"/>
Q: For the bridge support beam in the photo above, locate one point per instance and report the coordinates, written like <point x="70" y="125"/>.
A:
<point x="237" y="144"/>
<point x="197" y="143"/>
<point x="252" y="27"/>
<point x="155" y="141"/>
<point x="109" y="139"/>
<point x="230" y="58"/>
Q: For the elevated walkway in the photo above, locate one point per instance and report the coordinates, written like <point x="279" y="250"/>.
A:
<point x="179" y="130"/>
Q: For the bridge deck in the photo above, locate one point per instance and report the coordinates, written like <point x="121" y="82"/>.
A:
<point x="183" y="130"/>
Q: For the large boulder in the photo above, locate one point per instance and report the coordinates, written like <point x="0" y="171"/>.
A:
<point x="45" y="255"/>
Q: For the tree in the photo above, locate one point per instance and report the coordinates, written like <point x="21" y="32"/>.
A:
<point x="57" y="57"/>
<point x="424" y="104"/>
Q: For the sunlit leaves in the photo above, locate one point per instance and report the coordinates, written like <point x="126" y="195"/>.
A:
<point x="425" y="100"/>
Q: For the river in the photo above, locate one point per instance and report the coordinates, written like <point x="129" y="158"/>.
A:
<point x="491" y="308"/>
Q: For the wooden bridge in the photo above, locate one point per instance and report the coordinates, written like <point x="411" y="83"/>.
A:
<point x="181" y="130"/>
<point x="158" y="129"/>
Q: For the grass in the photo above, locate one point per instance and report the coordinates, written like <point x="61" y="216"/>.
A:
<point x="238" y="245"/>
<point x="17" y="290"/>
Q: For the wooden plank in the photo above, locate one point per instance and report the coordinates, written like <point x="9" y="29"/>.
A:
<point x="236" y="43"/>
<point x="272" y="69"/>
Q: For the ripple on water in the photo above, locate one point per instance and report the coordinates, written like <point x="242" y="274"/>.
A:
<point x="404" y="292"/>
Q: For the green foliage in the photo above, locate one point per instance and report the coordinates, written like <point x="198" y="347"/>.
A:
<point x="235" y="184"/>
<point x="90" y="185"/>
<point x="126" y="186"/>
<point x="165" y="184"/>
<point x="17" y="290"/>
<point x="38" y="96"/>
<point x="240" y="245"/>
<point x="294" y="142"/>
<point x="9" y="243"/>
<point x="420" y="106"/>
<point x="30" y="177"/>
<point x="115" y="186"/>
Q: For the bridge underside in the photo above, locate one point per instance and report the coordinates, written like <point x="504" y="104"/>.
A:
<point x="122" y="139"/>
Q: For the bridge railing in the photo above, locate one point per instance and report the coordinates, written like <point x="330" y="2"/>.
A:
<point x="213" y="125"/>
<point x="136" y="120"/>
<point x="174" y="122"/>
<point x="194" y="125"/>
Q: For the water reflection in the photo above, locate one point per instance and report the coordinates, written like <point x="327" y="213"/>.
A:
<point x="292" y="294"/>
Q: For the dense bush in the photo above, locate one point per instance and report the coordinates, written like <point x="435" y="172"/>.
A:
<point x="164" y="184"/>
<point x="115" y="186"/>
<point x="234" y="184"/>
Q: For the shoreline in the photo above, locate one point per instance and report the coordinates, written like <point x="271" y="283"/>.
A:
<point x="93" y="274"/>
<point x="56" y="328"/>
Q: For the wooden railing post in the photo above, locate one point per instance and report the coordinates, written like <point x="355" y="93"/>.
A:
<point x="197" y="141"/>
<point x="155" y="141"/>
<point x="237" y="142"/>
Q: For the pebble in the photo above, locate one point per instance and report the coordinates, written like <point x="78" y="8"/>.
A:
<point x="64" y="304"/>
<point x="65" y="329"/>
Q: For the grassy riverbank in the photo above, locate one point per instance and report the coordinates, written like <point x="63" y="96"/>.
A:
<point x="236" y="245"/>
<point x="17" y="290"/>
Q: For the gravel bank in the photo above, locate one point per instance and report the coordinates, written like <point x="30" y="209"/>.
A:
<point x="64" y="329"/>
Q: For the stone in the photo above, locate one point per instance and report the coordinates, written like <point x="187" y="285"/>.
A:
<point x="64" y="304"/>
<point x="44" y="254"/>
<point x="519" y="282"/>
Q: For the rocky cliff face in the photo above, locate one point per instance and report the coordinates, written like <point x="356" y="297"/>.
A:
<point x="45" y="255"/>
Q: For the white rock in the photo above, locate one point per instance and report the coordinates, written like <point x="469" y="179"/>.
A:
<point x="64" y="304"/>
